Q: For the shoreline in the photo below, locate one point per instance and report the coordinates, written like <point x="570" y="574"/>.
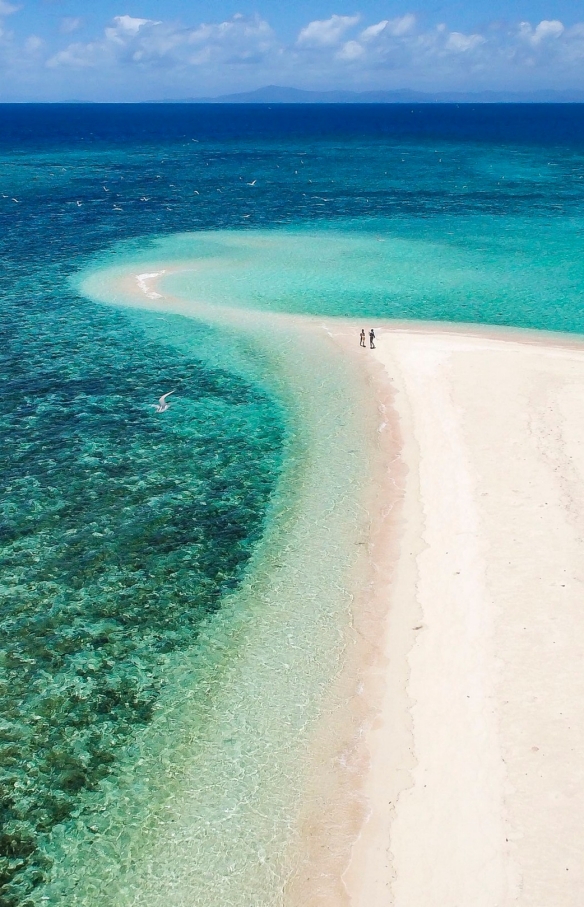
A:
<point x="409" y="664"/>
<point x="294" y="641"/>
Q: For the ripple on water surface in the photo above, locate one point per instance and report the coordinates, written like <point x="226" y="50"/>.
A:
<point x="208" y="794"/>
<point x="518" y="271"/>
<point x="121" y="531"/>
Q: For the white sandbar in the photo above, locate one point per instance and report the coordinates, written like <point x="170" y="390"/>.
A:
<point x="475" y="785"/>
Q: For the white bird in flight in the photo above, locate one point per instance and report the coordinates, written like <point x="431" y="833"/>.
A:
<point x="162" y="404"/>
<point x="252" y="184"/>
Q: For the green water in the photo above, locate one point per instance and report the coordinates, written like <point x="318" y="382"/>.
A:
<point x="121" y="533"/>
<point x="204" y="805"/>
<point x="524" y="272"/>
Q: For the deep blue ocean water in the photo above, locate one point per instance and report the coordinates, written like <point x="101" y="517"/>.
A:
<point x="121" y="531"/>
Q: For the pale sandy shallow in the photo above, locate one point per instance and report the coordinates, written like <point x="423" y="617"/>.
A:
<point x="475" y="786"/>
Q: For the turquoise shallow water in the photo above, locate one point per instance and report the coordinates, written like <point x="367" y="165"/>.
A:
<point x="120" y="534"/>
<point x="203" y="804"/>
<point x="529" y="272"/>
<point x="125" y="537"/>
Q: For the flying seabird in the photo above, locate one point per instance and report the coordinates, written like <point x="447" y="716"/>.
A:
<point x="162" y="405"/>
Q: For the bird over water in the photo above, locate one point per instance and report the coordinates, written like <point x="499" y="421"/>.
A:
<point x="162" y="404"/>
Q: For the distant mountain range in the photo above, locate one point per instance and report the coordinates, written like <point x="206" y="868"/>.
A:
<point x="274" y="94"/>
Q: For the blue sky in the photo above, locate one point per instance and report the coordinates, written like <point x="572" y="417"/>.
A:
<point x="124" y="50"/>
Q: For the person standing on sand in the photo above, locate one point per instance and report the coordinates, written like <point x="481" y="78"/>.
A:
<point x="362" y="337"/>
<point x="371" y="339"/>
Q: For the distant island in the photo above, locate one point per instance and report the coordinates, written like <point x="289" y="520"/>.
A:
<point x="275" y="94"/>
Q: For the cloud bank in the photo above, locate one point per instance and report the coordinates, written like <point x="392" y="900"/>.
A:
<point x="134" y="58"/>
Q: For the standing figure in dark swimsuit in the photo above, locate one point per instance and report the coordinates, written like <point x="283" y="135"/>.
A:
<point x="362" y="337"/>
<point x="371" y="339"/>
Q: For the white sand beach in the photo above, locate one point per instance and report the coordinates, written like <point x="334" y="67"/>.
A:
<point x="475" y="785"/>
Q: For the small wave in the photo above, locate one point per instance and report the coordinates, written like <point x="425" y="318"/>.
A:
<point x="143" y="281"/>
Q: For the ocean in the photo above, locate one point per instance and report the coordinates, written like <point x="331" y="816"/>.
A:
<point x="146" y="641"/>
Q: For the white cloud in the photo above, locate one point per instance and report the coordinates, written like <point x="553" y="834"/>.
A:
<point x="33" y="44"/>
<point x="69" y="24"/>
<point x="236" y="40"/>
<point x="133" y="58"/>
<point x="118" y="37"/>
<point x="572" y="45"/>
<point x="463" y="43"/>
<point x="547" y="28"/>
<point x="373" y="31"/>
<point x="549" y="47"/>
<point x="131" y="41"/>
<point x="325" y="32"/>
<point x="395" y="28"/>
<point x="6" y="9"/>
<point x="352" y="50"/>
<point x="126" y="25"/>
<point x="73" y="56"/>
<point x="396" y="44"/>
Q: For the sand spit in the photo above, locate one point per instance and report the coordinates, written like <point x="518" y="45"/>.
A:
<point x="451" y="776"/>
<point x="475" y="785"/>
<point x="277" y="823"/>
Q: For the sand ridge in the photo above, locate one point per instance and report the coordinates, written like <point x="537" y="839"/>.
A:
<point x="489" y="580"/>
